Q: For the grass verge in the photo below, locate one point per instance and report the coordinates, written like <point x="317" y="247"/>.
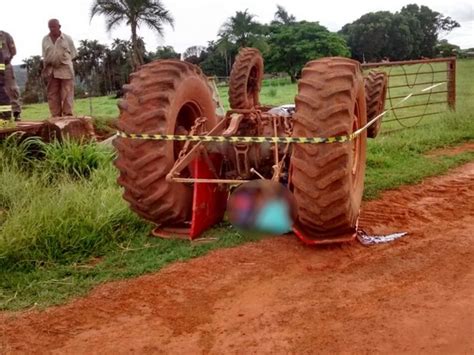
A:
<point x="60" y="238"/>
<point x="64" y="227"/>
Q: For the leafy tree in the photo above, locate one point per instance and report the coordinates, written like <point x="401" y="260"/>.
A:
<point x="117" y="66"/>
<point x="446" y="49"/>
<point x="90" y="56"/>
<point x="165" y="52"/>
<point x="368" y="37"/>
<point x="151" y="13"/>
<point x="217" y="59"/>
<point x="227" y="50"/>
<point x="193" y="51"/>
<point x="427" y="25"/>
<point x="466" y="53"/>
<point x="35" y="90"/>
<point x="195" y="54"/>
<point x="408" y="34"/>
<point x="292" y="46"/>
<point x="400" y="43"/>
<point x="103" y="70"/>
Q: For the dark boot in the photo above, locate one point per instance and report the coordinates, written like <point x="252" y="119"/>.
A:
<point x="16" y="115"/>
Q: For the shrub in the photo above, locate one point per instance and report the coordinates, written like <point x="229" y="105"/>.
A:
<point x="75" y="159"/>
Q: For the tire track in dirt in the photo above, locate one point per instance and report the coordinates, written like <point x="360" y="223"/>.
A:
<point x="414" y="295"/>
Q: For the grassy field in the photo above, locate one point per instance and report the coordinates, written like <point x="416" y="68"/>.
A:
<point x="65" y="228"/>
<point x="281" y="91"/>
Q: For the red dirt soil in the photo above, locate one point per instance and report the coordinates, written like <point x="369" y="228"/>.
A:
<point x="451" y="151"/>
<point x="415" y="295"/>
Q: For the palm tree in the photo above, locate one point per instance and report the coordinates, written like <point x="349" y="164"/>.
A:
<point x="151" y="13"/>
<point x="90" y="55"/>
<point x="224" y="48"/>
<point x="283" y="17"/>
<point x="241" y="29"/>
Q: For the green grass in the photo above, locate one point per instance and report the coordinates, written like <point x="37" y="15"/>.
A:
<point x="102" y="107"/>
<point x="64" y="227"/>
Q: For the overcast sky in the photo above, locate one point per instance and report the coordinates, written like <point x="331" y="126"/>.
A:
<point x="198" y="21"/>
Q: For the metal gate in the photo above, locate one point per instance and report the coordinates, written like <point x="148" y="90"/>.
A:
<point x="414" y="77"/>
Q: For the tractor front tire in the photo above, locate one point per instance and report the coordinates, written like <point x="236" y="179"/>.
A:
<point x="375" y="94"/>
<point x="163" y="97"/>
<point x="246" y="79"/>
<point x="328" y="179"/>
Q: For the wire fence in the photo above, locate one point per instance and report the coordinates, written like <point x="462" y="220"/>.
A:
<point x="404" y="78"/>
<point x="269" y="80"/>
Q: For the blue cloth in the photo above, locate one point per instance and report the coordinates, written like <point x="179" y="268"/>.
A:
<point x="274" y="217"/>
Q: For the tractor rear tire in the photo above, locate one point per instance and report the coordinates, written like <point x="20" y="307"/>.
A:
<point x="246" y="79"/>
<point x="163" y="97"/>
<point x="328" y="179"/>
<point x="375" y="94"/>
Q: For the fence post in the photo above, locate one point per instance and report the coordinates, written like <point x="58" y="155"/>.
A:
<point x="452" y="84"/>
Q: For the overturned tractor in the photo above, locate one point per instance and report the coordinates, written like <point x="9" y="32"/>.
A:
<point x="178" y="159"/>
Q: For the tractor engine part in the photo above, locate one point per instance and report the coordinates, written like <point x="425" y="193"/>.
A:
<point x="242" y="157"/>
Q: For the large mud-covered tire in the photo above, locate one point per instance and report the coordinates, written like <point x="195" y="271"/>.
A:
<point x="246" y="79"/>
<point x="163" y="97"/>
<point x="328" y="179"/>
<point x="375" y="94"/>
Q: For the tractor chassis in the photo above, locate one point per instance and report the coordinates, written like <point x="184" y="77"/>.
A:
<point x="229" y="126"/>
<point x="204" y="160"/>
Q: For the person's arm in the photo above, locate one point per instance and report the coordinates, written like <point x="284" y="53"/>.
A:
<point x="11" y="46"/>
<point x="72" y="48"/>
<point x="44" y="50"/>
<point x="48" y="53"/>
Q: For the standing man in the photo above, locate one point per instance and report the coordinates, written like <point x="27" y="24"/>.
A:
<point x="7" y="46"/>
<point x="58" y="53"/>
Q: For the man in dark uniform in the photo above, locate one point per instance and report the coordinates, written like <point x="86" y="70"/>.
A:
<point x="7" y="46"/>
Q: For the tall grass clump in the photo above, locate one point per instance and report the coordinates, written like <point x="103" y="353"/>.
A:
<point x="65" y="208"/>
<point x="74" y="159"/>
<point x="19" y="153"/>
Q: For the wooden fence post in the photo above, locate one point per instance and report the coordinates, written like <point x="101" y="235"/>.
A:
<point x="452" y="84"/>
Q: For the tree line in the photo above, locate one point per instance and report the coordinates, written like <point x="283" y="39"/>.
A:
<point x="410" y="33"/>
<point x="286" y="43"/>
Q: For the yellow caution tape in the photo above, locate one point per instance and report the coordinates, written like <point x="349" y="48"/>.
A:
<point x="306" y="140"/>
<point x="221" y="139"/>
<point x="7" y="124"/>
<point x="5" y="108"/>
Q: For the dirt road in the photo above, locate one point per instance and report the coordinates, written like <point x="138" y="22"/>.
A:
<point x="414" y="295"/>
